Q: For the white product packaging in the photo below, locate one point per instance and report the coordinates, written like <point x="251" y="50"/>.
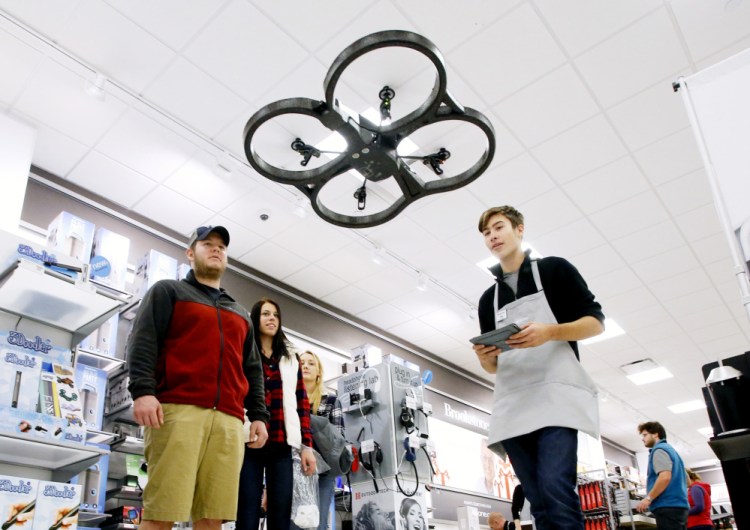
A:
<point x="109" y="258"/>
<point x="17" y="502"/>
<point x="152" y="267"/>
<point x="19" y="379"/>
<point x="57" y="506"/>
<point x="71" y="235"/>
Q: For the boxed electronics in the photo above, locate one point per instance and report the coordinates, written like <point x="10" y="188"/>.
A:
<point x="151" y="268"/>
<point x="92" y="386"/>
<point x="93" y="482"/>
<point x="71" y="236"/>
<point x="19" y="379"/>
<point x="118" y="395"/>
<point x="17" y="501"/>
<point x="57" y="506"/>
<point x="109" y="258"/>
<point x="104" y="338"/>
<point x="388" y="507"/>
<point x="124" y="515"/>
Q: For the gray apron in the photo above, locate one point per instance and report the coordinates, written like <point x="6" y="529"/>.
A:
<point x="544" y="386"/>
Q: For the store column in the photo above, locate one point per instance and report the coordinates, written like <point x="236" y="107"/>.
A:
<point x="16" y="150"/>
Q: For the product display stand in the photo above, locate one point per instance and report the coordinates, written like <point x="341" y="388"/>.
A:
<point x="596" y="498"/>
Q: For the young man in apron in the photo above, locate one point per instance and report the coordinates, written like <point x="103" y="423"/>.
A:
<point x="542" y="396"/>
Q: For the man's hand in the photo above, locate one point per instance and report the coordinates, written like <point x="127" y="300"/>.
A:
<point x="644" y="506"/>
<point x="307" y="460"/>
<point x="487" y="356"/>
<point x="147" y="411"/>
<point x="532" y="334"/>
<point x="258" y="435"/>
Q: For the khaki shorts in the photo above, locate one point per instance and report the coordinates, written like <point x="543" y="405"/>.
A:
<point x="194" y="463"/>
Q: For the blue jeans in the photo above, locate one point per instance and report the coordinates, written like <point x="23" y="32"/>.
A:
<point x="545" y="463"/>
<point x="326" y="484"/>
<point x="670" y="518"/>
<point x="276" y="460"/>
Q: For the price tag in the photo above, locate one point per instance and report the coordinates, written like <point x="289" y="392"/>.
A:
<point x="367" y="446"/>
<point x="414" y="442"/>
<point x="427" y="408"/>
<point x="411" y="402"/>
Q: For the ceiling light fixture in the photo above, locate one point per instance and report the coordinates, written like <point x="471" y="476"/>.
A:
<point x="421" y="282"/>
<point x="687" y="406"/>
<point x="611" y="330"/>
<point x="300" y="207"/>
<point x="95" y="88"/>
<point x="378" y="255"/>
<point x="371" y="146"/>
<point x="223" y="166"/>
<point x="645" y="371"/>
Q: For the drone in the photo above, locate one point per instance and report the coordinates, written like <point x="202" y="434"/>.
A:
<point x="371" y="148"/>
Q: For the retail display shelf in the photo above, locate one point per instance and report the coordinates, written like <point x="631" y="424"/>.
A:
<point x="126" y="493"/>
<point x="98" y="360"/>
<point x="53" y="299"/>
<point x="639" y="521"/>
<point x="129" y="445"/>
<point x="122" y="413"/>
<point x="92" y="519"/>
<point x="99" y="437"/>
<point x="363" y="406"/>
<point x="46" y="454"/>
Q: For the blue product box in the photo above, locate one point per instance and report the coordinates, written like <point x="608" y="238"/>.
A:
<point x="71" y="235"/>
<point x="92" y="386"/>
<point x="109" y="258"/>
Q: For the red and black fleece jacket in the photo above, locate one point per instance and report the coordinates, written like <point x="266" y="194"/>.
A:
<point x="193" y="345"/>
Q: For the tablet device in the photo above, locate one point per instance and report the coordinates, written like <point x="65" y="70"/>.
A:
<point x="497" y="337"/>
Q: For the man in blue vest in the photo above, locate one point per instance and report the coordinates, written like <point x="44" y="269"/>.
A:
<point x="666" y="483"/>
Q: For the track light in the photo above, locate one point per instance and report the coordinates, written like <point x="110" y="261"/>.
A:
<point x="378" y="255"/>
<point x="223" y="166"/>
<point x="300" y="209"/>
<point x="422" y="282"/>
<point x="95" y="88"/>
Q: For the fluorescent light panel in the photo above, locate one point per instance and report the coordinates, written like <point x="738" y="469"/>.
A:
<point x="687" y="406"/>
<point x="706" y="431"/>
<point x="611" y="330"/>
<point x="650" y="376"/>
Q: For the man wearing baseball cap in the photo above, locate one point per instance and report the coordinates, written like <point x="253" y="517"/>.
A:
<point x="194" y="371"/>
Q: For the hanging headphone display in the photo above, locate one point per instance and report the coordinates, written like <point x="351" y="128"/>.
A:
<point x="410" y="455"/>
<point x="407" y="418"/>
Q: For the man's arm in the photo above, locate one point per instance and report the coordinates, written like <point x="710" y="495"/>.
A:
<point x="487" y="356"/>
<point x="662" y="481"/>
<point x="537" y="333"/>
<point x="255" y="399"/>
<point x="149" y="328"/>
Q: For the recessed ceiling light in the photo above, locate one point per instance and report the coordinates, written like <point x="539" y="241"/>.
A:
<point x="687" y="406"/>
<point x="645" y="371"/>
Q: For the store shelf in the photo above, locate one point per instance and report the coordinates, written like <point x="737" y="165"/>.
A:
<point x="99" y="437"/>
<point x="126" y="493"/>
<point x="128" y="445"/>
<point x="53" y="299"/>
<point x="63" y="459"/>
<point x="639" y="521"/>
<point x="98" y="360"/>
<point x="731" y="446"/>
<point x="92" y="519"/>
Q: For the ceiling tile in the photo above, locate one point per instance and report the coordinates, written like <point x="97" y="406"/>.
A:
<point x="315" y="281"/>
<point x="55" y="152"/>
<point x="582" y="24"/>
<point x="388" y="283"/>
<point x="224" y="50"/>
<point x="714" y="332"/>
<point x="649" y="116"/>
<point x="573" y="238"/>
<point x="469" y="283"/>
<point x="649" y="241"/>
<point x="273" y="260"/>
<point x="606" y="186"/>
<point x="147" y="146"/>
<point x="351" y="299"/>
<point x="699" y="223"/>
<point x="111" y="180"/>
<point x="50" y="21"/>
<point x="620" y="219"/>
<point x="437" y="342"/>
<point x="115" y="45"/>
<point x="600" y="260"/>
<point x="243" y="240"/>
<point x="469" y="243"/>
<point x="708" y="26"/>
<point x="664" y="330"/>
<point x="537" y="113"/>
<point x="449" y="214"/>
<point x="633" y="59"/>
<point x="314" y="238"/>
<point x="588" y="146"/>
<point x="686" y="193"/>
<point x="645" y="316"/>
<point x="350" y="263"/>
<point x="56" y="97"/>
<point x="420" y="303"/>
<point x="705" y="317"/>
<point x="666" y="264"/>
<point x="538" y="220"/>
<point x="174" y="22"/>
<point x="680" y="284"/>
<point x="513" y="182"/>
<point x="629" y="301"/>
<point x="444" y="318"/>
<point x="671" y="157"/>
<point x="199" y="100"/>
<point x="605" y="286"/>
<point x="413" y="330"/>
<point x="522" y="51"/>
<point x="172" y="210"/>
<point x="384" y="316"/>
<point x="712" y="248"/>
<point x="248" y="209"/>
<point x="698" y="300"/>
<point x="19" y="58"/>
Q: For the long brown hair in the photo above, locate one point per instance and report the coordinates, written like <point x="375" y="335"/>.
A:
<point x="317" y="394"/>
<point x="279" y="341"/>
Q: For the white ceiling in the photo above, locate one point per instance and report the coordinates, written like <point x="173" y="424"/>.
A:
<point x="593" y="146"/>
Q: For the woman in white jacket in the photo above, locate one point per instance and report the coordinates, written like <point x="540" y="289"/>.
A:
<point x="288" y="428"/>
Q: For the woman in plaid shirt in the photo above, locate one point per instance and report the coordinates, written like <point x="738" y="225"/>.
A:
<point x="288" y="428"/>
<point x="326" y="405"/>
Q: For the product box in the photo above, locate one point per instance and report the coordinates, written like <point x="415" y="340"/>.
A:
<point x="57" y="506"/>
<point x="34" y="425"/>
<point x="109" y="258"/>
<point x="59" y="398"/>
<point x="93" y="483"/>
<point x="92" y="386"/>
<point x="400" y="511"/>
<point x="182" y="271"/>
<point x="41" y="347"/>
<point x="151" y="268"/>
<point x="104" y="338"/>
<point x="125" y="515"/>
<point x="17" y="502"/>
<point x="71" y="235"/>
<point x="19" y="379"/>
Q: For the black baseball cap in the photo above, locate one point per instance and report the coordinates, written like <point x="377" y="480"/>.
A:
<point x="202" y="232"/>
